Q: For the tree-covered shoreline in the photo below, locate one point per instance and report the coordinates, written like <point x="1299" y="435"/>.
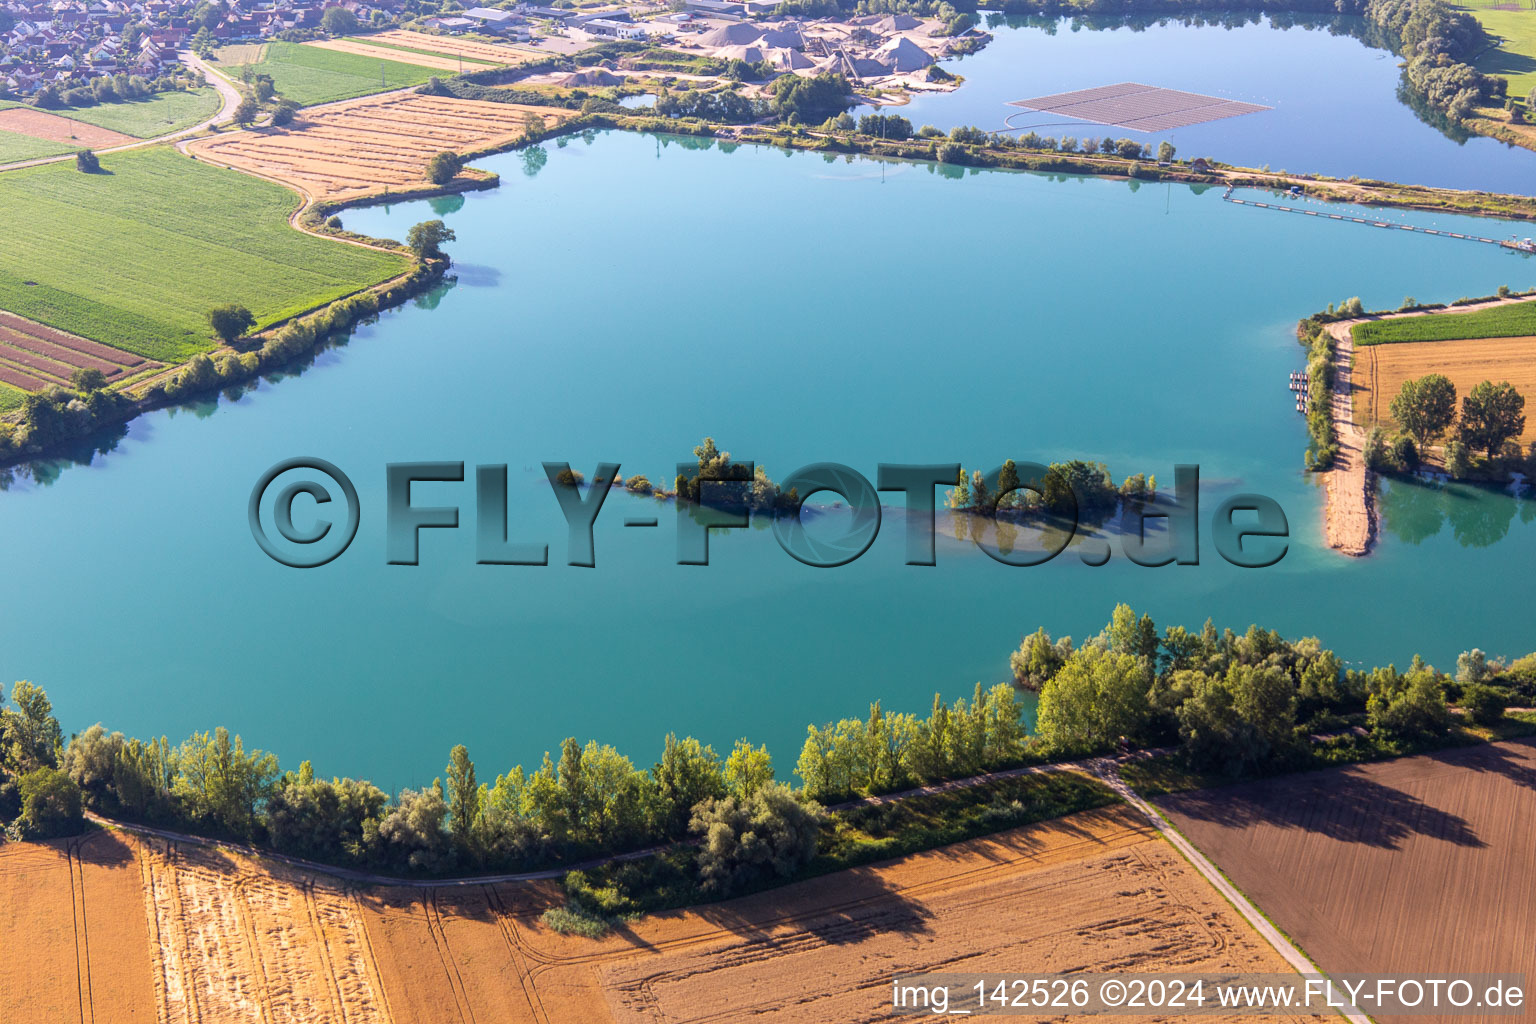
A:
<point x="1229" y="705"/>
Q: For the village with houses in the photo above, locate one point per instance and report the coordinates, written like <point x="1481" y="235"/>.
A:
<point x="48" y="47"/>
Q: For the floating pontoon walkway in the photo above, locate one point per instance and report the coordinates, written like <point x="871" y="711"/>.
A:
<point x="1525" y="247"/>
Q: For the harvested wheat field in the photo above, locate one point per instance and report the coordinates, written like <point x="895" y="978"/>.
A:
<point x="492" y="53"/>
<point x="76" y="909"/>
<point x="361" y="49"/>
<point x="365" y="145"/>
<point x="42" y="125"/>
<point x="1424" y="864"/>
<point x="232" y="942"/>
<point x="34" y="357"/>
<point x="182" y="934"/>
<point x="1095" y="891"/>
<point x="1381" y="369"/>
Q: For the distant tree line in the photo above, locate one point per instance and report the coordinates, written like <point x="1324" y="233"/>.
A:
<point x="107" y="89"/>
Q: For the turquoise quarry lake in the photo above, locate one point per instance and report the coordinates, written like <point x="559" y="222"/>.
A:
<point x="637" y="293"/>
<point x="1334" y="99"/>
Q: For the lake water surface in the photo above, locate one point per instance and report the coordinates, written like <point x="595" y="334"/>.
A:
<point x="631" y="295"/>
<point x="1334" y="99"/>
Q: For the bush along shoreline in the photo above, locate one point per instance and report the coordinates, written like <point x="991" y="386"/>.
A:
<point x="1228" y="705"/>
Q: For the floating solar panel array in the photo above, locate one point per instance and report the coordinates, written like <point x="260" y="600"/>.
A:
<point x="1142" y="108"/>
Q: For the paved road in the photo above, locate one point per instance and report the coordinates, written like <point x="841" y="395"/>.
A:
<point x="1108" y="770"/>
<point x="227" y="92"/>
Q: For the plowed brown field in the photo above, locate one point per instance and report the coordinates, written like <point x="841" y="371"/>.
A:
<point x="43" y="125"/>
<point x="183" y="934"/>
<point x="1423" y="865"/>
<point x="33" y="357"/>
<point x="365" y="145"/>
<point x="1381" y="369"/>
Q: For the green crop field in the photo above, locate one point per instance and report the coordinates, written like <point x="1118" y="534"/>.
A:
<point x="136" y="257"/>
<point x="160" y="114"/>
<point x="15" y="146"/>
<point x="1513" y="321"/>
<point x="309" y="75"/>
<point x="1515" y="59"/>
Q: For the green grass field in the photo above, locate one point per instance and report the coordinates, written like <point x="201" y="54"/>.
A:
<point x="14" y="146"/>
<point x="309" y="75"/>
<point x="1515" y="60"/>
<point x="1512" y="321"/>
<point x="136" y="257"/>
<point x="160" y="114"/>
<point x="10" y="398"/>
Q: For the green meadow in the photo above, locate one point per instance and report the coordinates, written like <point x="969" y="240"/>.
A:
<point x="160" y="114"/>
<point x="136" y="257"/>
<point x="309" y="75"/>
<point x="1515" y="58"/>
<point x="1512" y="321"/>
<point x="14" y="146"/>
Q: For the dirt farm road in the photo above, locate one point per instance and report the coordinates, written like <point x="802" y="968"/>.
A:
<point x="1108" y="771"/>
<point x="1094" y="766"/>
<point x="1349" y="522"/>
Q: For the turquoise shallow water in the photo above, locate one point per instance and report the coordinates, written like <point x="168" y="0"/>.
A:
<point x="638" y="293"/>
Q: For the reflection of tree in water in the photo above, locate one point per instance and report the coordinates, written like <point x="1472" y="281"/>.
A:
<point x="1431" y="116"/>
<point x="1411" y="512"/>
<point x="83" y="451"/>
<point x="1479" y="517"/>
<point x="444" y="205"/>
<point x="429" y="299"/>
<point x="534" y="159"/>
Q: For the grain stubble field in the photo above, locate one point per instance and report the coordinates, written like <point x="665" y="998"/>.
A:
<point x="365" y="145"/>
<point x="1382" y="369"/>
<point x="195" y="935"/>
<point x="1422" y="865"/>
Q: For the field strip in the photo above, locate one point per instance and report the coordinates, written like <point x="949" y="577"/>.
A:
<point x="493" y="52"/>
<point x="40" y="124"/>
<point x="1109" y="772"/>
<point x="394" y="46"/>
<point x="422" y="60"/>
